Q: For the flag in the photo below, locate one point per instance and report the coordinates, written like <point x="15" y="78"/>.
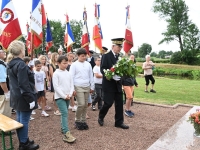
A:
<point x="36" y="23"/>
<point x="69" y="37"/>
<point x="128" y="43"/>
<point x="9" y="25"/>
<point x="49" y="39"/>
<point x="85" y="37"/>
<point x="96" y="32"/>
<point x="44" y="20"/>
<point x="28" y="39"/>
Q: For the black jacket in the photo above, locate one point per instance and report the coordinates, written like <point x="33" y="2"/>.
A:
<point x="22" y="85"/>
<point x="107" y="61"/>
<point x="128" y="81"/>
<point x="92" y="63"/>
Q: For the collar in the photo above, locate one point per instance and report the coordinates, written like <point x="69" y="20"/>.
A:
<point x="114" y="53"/>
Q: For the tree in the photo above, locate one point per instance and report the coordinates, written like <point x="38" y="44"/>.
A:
<point x="191" y="40"/>
<point x="153" y="54"/>
<point x="161" y="54"/>
<point x="135" y="53"/>
<point x="76" y="27"/>
<point x="144" y="49"/>
<point x="175" y="13"/>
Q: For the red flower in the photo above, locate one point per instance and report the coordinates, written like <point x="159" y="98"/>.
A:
<point x="112" y="69"/>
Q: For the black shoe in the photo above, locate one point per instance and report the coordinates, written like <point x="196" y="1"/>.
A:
<point x="153" y="91"/>
<point x="100" y="121"/>
<point x="79" y="126"/>
<point x="28" y="146"/>
<point x="85" y="126"/>
<point x="123" y="126"/>
<point x="13" y="111"/>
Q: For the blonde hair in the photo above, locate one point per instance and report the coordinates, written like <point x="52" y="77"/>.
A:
<point x="53" y="56"/>
<point x="40" y="58"/>
<point x="15" y="49"/>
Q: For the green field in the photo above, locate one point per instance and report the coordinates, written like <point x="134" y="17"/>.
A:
<point x="169" y="91"/>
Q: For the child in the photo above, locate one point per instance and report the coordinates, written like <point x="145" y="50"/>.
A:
<point x="63" y="88"/>
<point x="82" y="75"/>
<point x="98" y="84"/>
<point x="27" y="61"/>
<point x="40" y="86"/>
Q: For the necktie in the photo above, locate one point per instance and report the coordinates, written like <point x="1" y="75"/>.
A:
<point x="116" y="56"/>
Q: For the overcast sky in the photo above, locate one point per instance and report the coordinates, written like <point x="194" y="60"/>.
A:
<point x="146" y="26"/>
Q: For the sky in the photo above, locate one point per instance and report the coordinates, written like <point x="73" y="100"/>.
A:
<point x="146" y="26"/>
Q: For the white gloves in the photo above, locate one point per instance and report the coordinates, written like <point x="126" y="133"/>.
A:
<point x="7" y="96"/>
<point x="32" y="104"/>
<point x="116" y="77"/>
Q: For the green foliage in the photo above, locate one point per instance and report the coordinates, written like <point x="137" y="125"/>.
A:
<point x="196" y="74"/>
<point x="153" y="54"/>
<point x="155" y="60"/>
<point x="144" y="50"/>
<point x="176" y="58"/>
<point x="175" y="13"/>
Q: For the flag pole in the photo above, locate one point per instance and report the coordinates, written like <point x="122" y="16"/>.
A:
<point x="32" y="47"/>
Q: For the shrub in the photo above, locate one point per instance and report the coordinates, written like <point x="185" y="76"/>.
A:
<point x="176" y="58"/>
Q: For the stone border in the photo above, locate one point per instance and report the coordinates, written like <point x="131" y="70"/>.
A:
<point x="165" y="106"/>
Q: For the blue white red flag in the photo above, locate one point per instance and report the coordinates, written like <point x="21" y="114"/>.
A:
<point x="49" y="38"/>
<point x="36" y="23"/>
<point x="69" y="37"/>
<point x="9" y="24"/>
<point x="128" y="43"/>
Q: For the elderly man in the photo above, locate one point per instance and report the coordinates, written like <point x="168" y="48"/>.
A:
<point x="5" y="108"/>
<point x="60" y="51"/>
<point x="112" y="89"/>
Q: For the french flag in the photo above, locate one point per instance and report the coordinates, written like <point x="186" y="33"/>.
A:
<point x="9" y="25"/>
<point x="128" y="43"/>
<point x="96" y="32"/>
<point x="69" y="37"/>
<point x="49" y="38"/>
<point x="36" y="23"/>
<point x="85" y="37"/>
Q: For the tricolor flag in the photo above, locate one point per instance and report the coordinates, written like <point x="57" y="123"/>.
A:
<point x="69" y="37"/>
<point x="85" y="37"/>
<point x="28" y="39"/>
<point x="128" y="43"/>
<point x="9" y="24"/>
<point x="49" y="39"/>
<point x="96" y="32"/>
<point x="36" y="23"/>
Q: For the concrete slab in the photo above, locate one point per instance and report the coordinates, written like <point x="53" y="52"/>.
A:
<point x="179" y="136"/>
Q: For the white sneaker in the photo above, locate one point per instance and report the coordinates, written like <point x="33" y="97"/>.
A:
<point x="39" y="107"/>
<point x="31" y="118"/>
<point x="33" y="112"/>
<point x="44" y="114"/>
<point x="70" y="107"/>
<point x="74" y="108"/>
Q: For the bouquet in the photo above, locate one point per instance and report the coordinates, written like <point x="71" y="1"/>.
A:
<point x="195" y="120"/>
<point x="123" y="67"/>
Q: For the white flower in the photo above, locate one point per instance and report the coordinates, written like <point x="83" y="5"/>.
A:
<point x="119" y="58"/>
<point x="107" y="69"/>
<point x="104" y="70"/>
<point x="117" y="65"/>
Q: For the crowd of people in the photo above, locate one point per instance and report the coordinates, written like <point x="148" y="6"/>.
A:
<point x="77" y="81"/>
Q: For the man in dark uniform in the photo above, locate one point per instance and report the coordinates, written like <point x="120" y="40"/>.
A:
<point x="104" y="50"/>
<point x="112" y="89"/>
<point x="90" y="59"/>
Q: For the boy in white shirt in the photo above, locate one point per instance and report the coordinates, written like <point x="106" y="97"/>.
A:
<point x="40" y="86"/>
<point x="82" y="75"/>
<point x="98" y="84"/>
<point x="63" y="87"/>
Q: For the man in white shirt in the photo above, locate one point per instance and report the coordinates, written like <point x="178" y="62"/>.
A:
<point x="82" y="75"/>
<point x="98" y="84"/>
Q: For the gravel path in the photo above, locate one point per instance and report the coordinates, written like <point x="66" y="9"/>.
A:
<point x="148" y="124"/>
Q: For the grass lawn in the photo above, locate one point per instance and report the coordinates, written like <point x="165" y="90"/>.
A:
<point x="169" y="91"/>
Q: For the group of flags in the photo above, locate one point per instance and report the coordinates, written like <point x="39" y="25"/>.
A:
<point x="10" y="29"/>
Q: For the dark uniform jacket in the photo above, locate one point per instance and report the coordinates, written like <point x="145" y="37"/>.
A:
<point x="107" y="61"/>
<point x="22" y="85"/>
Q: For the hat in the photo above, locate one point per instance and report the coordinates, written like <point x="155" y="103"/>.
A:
<point x="105" y="48"/>
<point x="117" y="41"/>
<point x="91" y="51"/>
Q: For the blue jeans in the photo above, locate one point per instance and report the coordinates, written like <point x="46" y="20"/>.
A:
<point x="63" y="107"/>
<point x="23" y="117"/>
